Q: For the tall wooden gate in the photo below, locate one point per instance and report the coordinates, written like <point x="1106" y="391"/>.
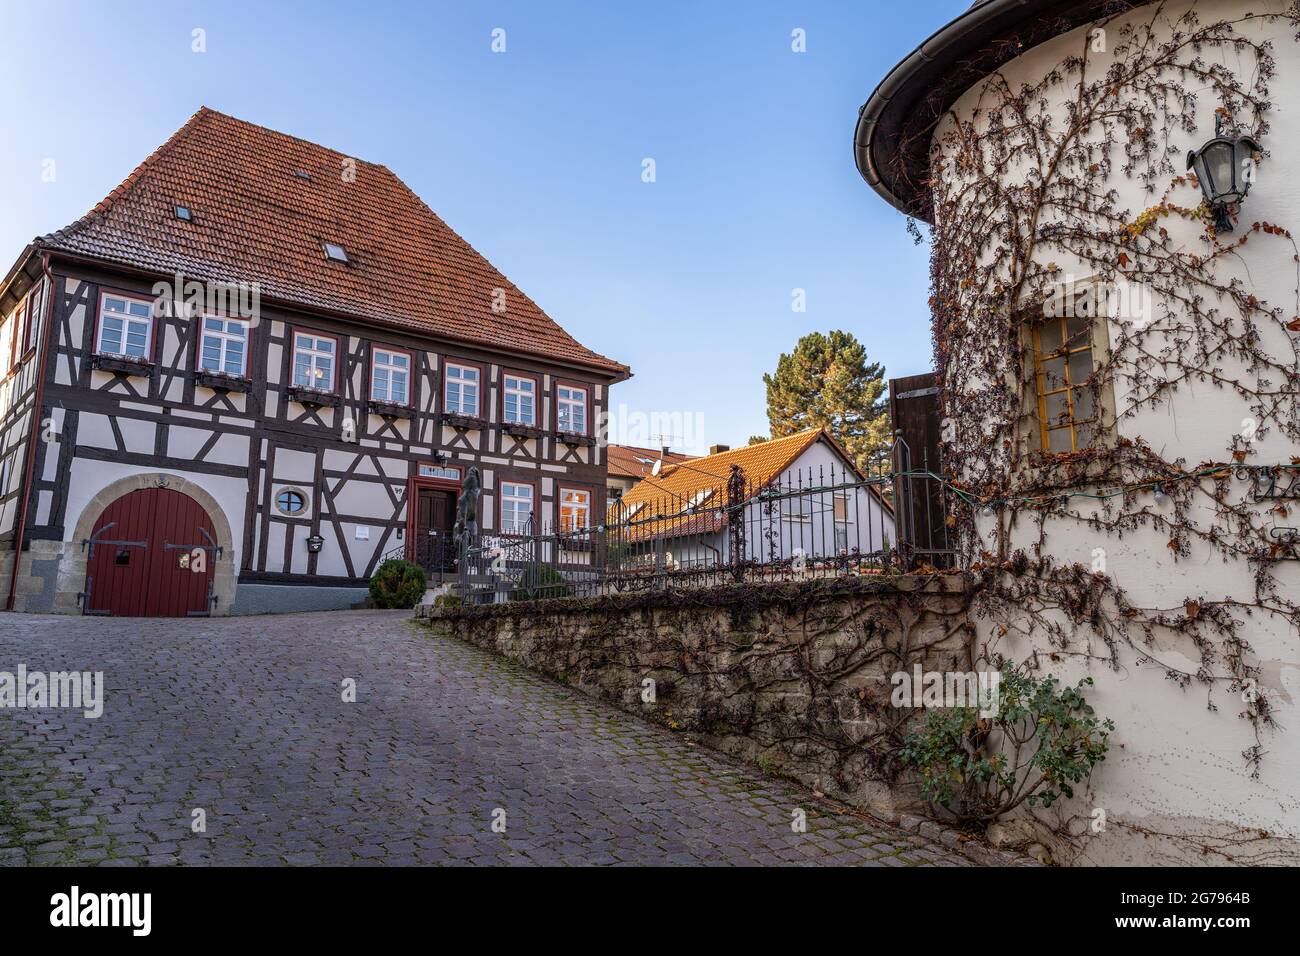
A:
<point x="152" y="554"/>
<point x="920" y="515"/>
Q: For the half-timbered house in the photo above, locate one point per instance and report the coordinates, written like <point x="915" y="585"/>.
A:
<point x="258" y="367"/>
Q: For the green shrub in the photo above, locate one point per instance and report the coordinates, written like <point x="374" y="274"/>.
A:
<point x="397" y="584"/>
<point x="542" y="581"/>
<point x="1044" y="739"/>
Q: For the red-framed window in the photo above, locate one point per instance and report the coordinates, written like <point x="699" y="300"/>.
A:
<point x="575" y="507"/>
<point x="462" y="392"/>
<point x="390" y="375"/>
<point x="518" y="506"/>
<point x="224" y="345"/>
<point x="519" y="398"/>
<point x="572" y="408"/>
<point x="315" y="360"/>
<point x="126" y="326"/>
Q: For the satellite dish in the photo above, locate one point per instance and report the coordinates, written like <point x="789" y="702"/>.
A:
<point x="657" y="467"/>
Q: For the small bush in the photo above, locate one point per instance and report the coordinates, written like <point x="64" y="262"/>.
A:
<point x="397" y="584"/>
<point x="542" y="581"/>
<point x="1045" y="739"/>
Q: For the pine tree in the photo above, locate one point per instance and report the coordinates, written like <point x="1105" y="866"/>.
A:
<point x="826" y="382"/>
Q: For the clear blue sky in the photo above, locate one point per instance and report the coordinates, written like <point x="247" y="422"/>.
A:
<point x="535" y="155"/>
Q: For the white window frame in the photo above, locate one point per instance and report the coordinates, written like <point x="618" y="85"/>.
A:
<point x="511" y="520"/>
<point x="128" y="320"/>
<point x="569" y="502"/>
<point x="840" y="525"/>
<point x="223" y="336"/>
<point x="510" y="385"/>
<point x="389" y="370"/>
<point x="314" y="354"/>
<point x="570" y="402"/>
<point x="461" y="384"/>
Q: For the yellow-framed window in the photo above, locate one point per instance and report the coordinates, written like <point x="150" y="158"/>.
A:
<point x="1063" y="363"/>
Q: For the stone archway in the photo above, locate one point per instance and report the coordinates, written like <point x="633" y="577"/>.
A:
<point x="72" y="573"/>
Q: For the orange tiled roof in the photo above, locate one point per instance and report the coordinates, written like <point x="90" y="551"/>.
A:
<point x="631" y="461"/>
<point x="255" y="221"/>
<point x="678" y="485"/>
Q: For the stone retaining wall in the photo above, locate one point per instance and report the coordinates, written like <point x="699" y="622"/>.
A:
<point x="794" y="677"/>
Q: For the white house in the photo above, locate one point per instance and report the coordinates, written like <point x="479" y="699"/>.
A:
<point x="797" y="499"/>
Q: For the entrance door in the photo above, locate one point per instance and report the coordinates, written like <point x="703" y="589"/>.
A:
<point x="435" y="515"/>
<point x="152" y="553"/>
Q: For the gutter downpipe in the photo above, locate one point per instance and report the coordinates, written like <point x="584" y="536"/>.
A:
<point x="30" y="464"/>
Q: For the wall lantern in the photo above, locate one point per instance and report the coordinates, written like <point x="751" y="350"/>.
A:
<point x="1225" y="167"/>
<point x="314" y="543"/>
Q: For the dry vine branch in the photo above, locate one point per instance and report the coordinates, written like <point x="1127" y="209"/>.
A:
<point x="1019" y="183"/>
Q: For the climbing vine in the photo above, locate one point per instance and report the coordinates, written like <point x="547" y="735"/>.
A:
<point x="1025" y="201"/>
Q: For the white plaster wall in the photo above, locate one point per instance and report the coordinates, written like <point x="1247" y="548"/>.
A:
<point x="1175" y="780"/>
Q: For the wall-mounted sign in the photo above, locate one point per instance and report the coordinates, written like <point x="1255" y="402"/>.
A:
<point x="451" y="473"/>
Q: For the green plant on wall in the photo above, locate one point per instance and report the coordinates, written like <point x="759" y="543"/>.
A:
<point x="1042" y="742"/>
<point x="397" y="584"/>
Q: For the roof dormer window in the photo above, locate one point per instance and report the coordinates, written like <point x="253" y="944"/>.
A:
<point x="183" y="213"/>
<point x="335" y="252"/>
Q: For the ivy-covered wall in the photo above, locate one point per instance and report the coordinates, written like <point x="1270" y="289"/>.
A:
<point x="1159" y="553"/>
<point x="793" y="677"/>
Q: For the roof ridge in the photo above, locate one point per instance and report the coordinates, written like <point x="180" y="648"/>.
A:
<point x="297" y="139"/>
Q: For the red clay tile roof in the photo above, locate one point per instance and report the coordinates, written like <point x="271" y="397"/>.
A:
<point x="631" y="461"/>
<point x="689" y="499"/>
<point x="255" y="221"/>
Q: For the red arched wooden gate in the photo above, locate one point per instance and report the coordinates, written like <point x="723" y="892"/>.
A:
<point x="151" y="554"/>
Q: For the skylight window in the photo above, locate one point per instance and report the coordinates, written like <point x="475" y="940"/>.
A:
<point x="183" y="213"/>
<point x="335" y="252"/>
<point x="299" y="174"/>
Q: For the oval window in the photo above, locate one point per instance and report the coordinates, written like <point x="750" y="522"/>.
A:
<point x="291" y="501"/>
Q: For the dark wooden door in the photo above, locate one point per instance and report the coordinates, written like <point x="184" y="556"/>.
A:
<point x="919" y="516"/>
<point x="151" y="554"/>
<point x="435" y="515"/>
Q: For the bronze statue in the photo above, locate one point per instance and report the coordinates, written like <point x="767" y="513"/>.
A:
<point x="466" y="527"/>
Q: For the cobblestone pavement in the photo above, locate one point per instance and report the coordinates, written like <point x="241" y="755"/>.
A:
<point x="243" y="718"/>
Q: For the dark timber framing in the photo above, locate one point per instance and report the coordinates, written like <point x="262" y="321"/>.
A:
<point x="242" y="445"/>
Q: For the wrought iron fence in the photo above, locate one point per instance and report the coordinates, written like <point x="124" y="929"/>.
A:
<point x="690" y="528"/>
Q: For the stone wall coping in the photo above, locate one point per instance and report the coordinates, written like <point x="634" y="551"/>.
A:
<point x="749" y="595"/>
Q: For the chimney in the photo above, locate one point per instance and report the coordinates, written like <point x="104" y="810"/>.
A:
<point x="714" y="449"/>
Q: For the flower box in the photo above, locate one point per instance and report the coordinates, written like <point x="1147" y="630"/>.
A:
<point x="222" y="382"/>
<point x="389" y="409"/>
<point x="122" y="363"/>
<point x="313" y="396"/>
